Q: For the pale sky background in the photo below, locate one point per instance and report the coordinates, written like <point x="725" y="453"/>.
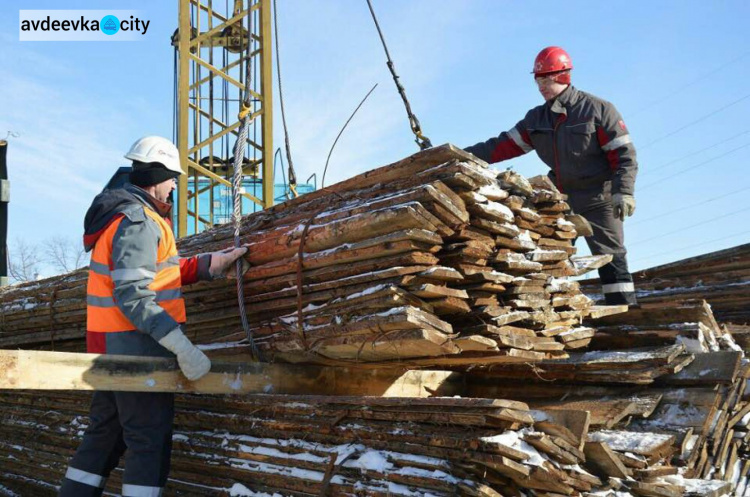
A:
<point x="676" y="70"/>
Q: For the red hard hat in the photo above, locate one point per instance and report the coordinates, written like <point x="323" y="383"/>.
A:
<point x="551" y="60"/>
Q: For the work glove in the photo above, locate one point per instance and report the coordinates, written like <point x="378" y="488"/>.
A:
<point x="223" y="263"/>
<point x="623" y="205"/>
<point x="193" y="363"/>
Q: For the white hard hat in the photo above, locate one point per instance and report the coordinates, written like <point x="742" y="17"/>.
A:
<point x="156" y="149"/>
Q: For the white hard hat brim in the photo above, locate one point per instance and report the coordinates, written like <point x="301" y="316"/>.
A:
<point x="156" y="149"/>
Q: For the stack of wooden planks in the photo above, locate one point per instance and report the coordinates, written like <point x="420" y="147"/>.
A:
<point x="435" y="260"/>
<point x="666" y="388"/>
<point x="722" y="278"/>
<point x="688" y="322"/>
<point x="302" y="445"/>
<point x="432" y="262"/>
<point x="313" y="445"/>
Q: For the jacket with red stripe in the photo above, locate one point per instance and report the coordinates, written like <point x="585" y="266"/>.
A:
<point x="134" y="256"/>
<point x="582" y="138"/>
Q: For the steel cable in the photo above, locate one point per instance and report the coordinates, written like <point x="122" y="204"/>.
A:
<point x="290" y="164"/>
<point x="422" y="141"/>
<point x="239" y="156"/>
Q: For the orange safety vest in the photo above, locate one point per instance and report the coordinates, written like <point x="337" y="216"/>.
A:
<point x="102" y="313"/>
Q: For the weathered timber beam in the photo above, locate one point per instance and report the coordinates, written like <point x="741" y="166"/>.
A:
<point x="584" y="264"/>
<point x="41" y="370"/>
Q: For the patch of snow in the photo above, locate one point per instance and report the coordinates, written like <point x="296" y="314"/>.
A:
<point x="398" y="489"/>
<point x="563" y="223"/>
<point x="492" y="190"/>
<point x="235" y="384"/>
<point x="694" y="485"/>
<point x="240" y="490"/>
<point x="222" y="345"/>
<point x="373" y="460"/>
<point x="628" y="441"/>
<point x="513" y="439"/>
<point x="525" y="236"/>
<point x="295" y="405"/>
<point x="535" y="458"/>
<point x="500" y="209"/>
<point x="693" y="345"/>
<point x="276" y="453"/>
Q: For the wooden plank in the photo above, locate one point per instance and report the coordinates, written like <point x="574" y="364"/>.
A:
<point x="570" y="425"/>
<point x="396" y="344"/>
<point x="645" y="444"/>
<point x="654" y="355"/>
<point x="584" y="264"/>
<point x="645" y="489"/>
<point x="604" y="412"/>
<point x="712" y="368"/>
<point x="600" y="311"/>
<point x="477" y="343"/>
<point x="41" y="370"/>
<point x="705" y="488"/>
<point x="383" y="175"/>
<point x="603" y="460"/>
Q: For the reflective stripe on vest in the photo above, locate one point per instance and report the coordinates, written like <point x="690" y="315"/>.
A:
<point x="102" y="312"/>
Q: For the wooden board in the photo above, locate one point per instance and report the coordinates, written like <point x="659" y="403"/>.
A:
<point x="603" y="460"/>
<point x="40" y="370"/>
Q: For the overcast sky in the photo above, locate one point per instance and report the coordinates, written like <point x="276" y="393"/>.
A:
<point x="676" y="70"/>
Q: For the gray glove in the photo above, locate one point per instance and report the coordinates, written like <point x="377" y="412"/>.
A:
<point x="223" y="263"/>
<point x="623" y="205"/>
<point x="193" y="363"/>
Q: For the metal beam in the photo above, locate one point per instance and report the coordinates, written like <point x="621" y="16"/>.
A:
<point x="183" y="82"/>
<point x="4" y="200"/>
<point x="211" y="48"/>
<point x="221" y="180"/>
<point x="266" y="86"/>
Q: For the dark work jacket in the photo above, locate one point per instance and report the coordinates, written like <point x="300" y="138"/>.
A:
<point x="582" y="138"/>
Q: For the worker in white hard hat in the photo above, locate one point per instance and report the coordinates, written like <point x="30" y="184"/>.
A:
<point x="135" y="307"/>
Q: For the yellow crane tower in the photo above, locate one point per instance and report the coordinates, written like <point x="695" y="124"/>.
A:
<point x="213" y="44"/>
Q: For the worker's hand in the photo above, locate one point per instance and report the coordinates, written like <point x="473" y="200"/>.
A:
<point x="223" y="262"/>
<point x="193" y="363"/>
<point x="623" y="205"/>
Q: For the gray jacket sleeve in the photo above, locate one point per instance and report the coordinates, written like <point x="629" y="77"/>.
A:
<point x="615" y="141"/>
<point x="507" y="145"/>
<point x="134" y="249"/>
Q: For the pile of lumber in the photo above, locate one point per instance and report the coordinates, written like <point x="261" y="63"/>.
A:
<point x="432" y="262"/>
<point x="313" y="445"/>
<point x="666" y="387"/>
<point x="722" y="278"/>
<point x="688" y="322"/>
<point x="435" y="260"/>
<point x="622" y="420"/>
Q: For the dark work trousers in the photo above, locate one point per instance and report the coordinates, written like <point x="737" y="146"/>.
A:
<point x="136" y="421"/>
<point x="596" y="206"/>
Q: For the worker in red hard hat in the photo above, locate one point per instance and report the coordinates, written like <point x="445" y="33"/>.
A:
<point x="588" y="148"/>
